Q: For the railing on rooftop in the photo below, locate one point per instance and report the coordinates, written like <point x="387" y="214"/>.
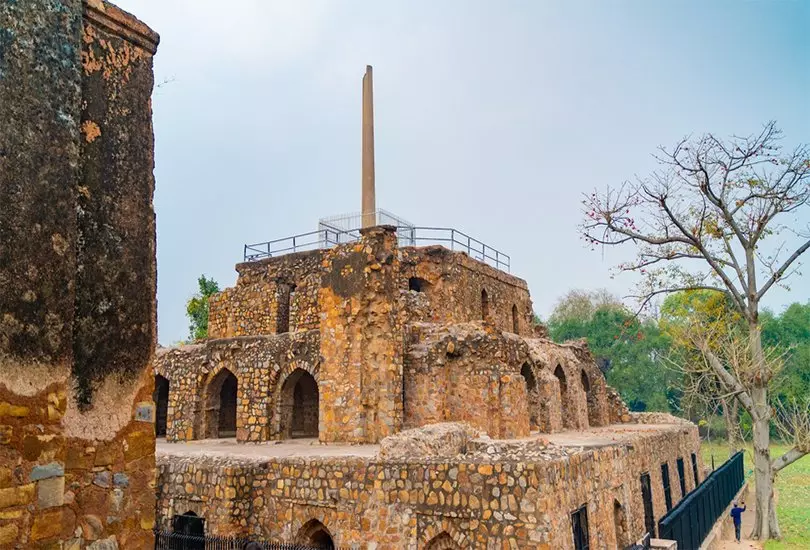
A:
<point x="327" y="237"/>
<point x="694" y="516"/>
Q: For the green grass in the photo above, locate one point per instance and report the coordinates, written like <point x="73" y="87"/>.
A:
<point x="793" y="494"/>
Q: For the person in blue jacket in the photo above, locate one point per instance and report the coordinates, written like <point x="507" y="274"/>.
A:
<point x="736" y="515"/>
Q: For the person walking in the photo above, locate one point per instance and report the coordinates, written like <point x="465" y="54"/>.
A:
<point x="736" y="515"/>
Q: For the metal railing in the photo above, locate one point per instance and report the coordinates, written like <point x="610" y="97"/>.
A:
<point x="693" y="517"/>
<point x="327" y="237"/>
<point x="165" y="540"/>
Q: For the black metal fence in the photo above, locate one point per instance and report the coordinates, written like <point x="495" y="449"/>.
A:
<point x="165" y="540"/>
<point x="327" y="237"/>
<point x="695" y="515"/>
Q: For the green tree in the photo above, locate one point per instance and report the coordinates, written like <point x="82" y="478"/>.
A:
<point x="627" y="348"/>
<point x="197" y="308"/>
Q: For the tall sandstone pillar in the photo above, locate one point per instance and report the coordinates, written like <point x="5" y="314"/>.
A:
<point x="77" y="276"/>
<point x="361" y="334"/>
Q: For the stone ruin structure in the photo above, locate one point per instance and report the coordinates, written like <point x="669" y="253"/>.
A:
<point x="77" y="277"/>
<point x="387" y="396"/>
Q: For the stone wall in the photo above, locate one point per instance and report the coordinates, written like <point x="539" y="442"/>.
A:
<point x="77" y="277"/>
<point x="453" y="283"/>
<point x="517" y="494"/>
<point x="252" y="307"/>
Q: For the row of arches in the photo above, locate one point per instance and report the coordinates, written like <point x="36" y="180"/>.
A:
<point x="567" y="406"/>
<point x="485" y="312"/>
<point x="295" y="407"/>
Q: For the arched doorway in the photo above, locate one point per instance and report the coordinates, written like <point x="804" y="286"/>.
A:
<point x="531" y="393"/>
<point x="565" y="410"/>
<point x="220" y="405"/>
<point x="590" y="397"/>
<point x="299" y="405"/>
<point x="442" y="541"/>
<point x="315" y="534"/>
<point x="620" y="525"/>
<point x="161" y="399"/>
<point x="484" y="305"/>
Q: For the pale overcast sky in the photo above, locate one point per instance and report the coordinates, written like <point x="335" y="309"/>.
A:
<point x="491" y="117"/>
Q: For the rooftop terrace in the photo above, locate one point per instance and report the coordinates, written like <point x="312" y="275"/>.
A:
<point x="346" y="229"/>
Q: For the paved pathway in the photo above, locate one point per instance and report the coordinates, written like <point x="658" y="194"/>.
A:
<point x="229" y="448"/>
<point x="747" y="527"/>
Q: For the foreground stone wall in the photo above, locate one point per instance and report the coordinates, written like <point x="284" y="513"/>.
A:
<point x="496" y="494"/>
<point x="77" y="277"/>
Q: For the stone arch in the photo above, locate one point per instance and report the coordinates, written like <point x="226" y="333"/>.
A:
<point x="590" y="398"/>
<point x="515" y="320"/>
<point x="437" y="528"/>
<point x="566" y="410"/>
<point x="315" y="534"/>
<point x="532" y="394"/>
<point x="220" y="404"/>
<point x="284" y="404"/>
<point x="161" y="399"/>
<point x="620" y="525"/>
<point x="484" y="305"/>
<point x="442" y="541"/>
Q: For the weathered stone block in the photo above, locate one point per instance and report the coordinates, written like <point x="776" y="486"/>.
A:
<point x="51" y="492"/>
<point x="16" y="496"/>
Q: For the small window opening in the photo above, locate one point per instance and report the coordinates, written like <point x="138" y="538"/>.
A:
<point x="667" y="487"/>
<point x="484" y="305"/>
<point x="515" y="320"/>
<point x="417" y="284"/>
<point x="682" y="477"/>
<point x="646" y="497"/>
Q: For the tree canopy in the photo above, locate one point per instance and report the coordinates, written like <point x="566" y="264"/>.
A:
<point x="197" y="308"/>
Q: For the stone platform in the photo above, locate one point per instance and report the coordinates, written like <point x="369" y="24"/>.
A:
<point x="516" y="493"/>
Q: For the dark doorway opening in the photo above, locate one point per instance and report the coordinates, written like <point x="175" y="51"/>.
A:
<point x="192" y="525"/>
<point x="299" y="405"/>
<point x="531" y="393"/>
<point x="646" y="497"/>
<point x="161" y="399"/>
<point x="564" y="409"/>
<point x="220" y="405"/>
<point x="315" y="534"/>
<point x="695" y="470"/>
<point x="579" y="523"/>
<point x="667" y="486"/>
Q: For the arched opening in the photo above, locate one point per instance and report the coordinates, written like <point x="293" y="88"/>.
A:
<point x="515" y="321"/>
<point x="220" y="405"/>
<point x="484" y="305"/>
<point x="590" y="397"/>
<point x="161" y="399"/>
<point x="315" y="534"/>
<point x="620" y="525"/>
<point x="417" y="284"/>
<point x="531" y="393"/>
<point x="565" y="410"/>
<point x="442" y="541"/>
<point x="299" y="405"/>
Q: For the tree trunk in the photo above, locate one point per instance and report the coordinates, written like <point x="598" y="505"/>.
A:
<point x="732" y="419"/>
<point x="766" y="525"/>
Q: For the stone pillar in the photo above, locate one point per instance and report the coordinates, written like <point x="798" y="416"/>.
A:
<point x="77" y="276"/>
<point x="361" y="336"/>
<point x="369" y="202"/>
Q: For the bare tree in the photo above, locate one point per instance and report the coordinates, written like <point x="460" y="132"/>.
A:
<point x="720" y="215"/>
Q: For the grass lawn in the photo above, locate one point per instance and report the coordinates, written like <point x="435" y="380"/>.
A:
<point x="793" y="494"/>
